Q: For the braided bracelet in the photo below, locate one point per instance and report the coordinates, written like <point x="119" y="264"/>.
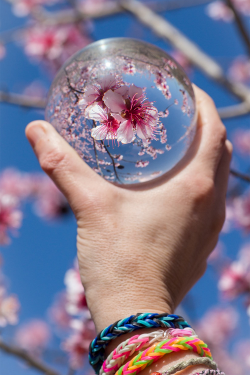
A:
<point x="136" y="343"/>
<point x="157" y="351"/>
<point x="191" y="362"/>
<point x="130" y="324"/>
<point x="210" y="372"/>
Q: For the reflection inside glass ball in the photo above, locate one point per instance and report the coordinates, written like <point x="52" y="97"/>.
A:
<point x="126" y="107"/>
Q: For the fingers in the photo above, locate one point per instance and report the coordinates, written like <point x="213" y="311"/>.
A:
<point x="222" y="174"/>
<point x="73" y="177"/>
<point x="213" y="133"/>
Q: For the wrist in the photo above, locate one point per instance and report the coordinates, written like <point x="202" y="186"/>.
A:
<point x="107" y="309"/>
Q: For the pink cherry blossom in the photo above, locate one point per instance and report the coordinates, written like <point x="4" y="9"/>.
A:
<point x="241" y="210"/>
<point x="235" y="278"/>
<point x="219" y="11"/>
<point x="134" y="112"/>
<point x="10" y="217"/>
<point x="33" y="336"/>
<point x="242" y="140"/>
<point x="57" y="312"/>
<point x="15" y="183"/>
<point x="219" y="323"/>
<point x="49" y="202"/>
<point x="142" y="164"/>
<point x="94" y="93"/>
<point x="182" y="60"/>
<point x="54" y="43"/>
<point x="109" y="125"/>
<point x="240" y="69"/>
<point x="75" y="296"/>
<point x="78" y="343"/>
<point x="9" y="307"/>
<point x="22" y="8"/>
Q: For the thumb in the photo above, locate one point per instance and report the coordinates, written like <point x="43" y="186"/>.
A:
<point x="76" y="180"/>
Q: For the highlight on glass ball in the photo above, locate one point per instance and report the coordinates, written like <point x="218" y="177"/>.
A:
<point x="126" y="107"/>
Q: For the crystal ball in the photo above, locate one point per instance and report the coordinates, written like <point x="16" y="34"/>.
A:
<point x="126" y="107"/>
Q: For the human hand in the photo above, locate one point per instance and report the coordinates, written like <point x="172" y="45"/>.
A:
<point x="142" y="249"/>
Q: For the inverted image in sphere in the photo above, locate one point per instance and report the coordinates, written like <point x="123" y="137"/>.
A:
<point x="126" y="107"/>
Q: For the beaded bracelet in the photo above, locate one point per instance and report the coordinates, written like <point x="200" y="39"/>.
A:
<point x="191" y="362"/>
<point x="157" y="351"/>
<point x="130" y="324"/>
<point x="136" y="343"/>
<point x="210" y="372"/>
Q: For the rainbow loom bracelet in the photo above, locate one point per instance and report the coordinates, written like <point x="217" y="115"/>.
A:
<point x="130" y="324"/>
<point x="156" y="351"/>
<point x="136" y="343"/>
<point x="210" y="372"/>
<point x="190" y="362"/>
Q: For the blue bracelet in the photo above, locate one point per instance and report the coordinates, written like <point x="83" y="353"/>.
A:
<point x="130" y="324"/>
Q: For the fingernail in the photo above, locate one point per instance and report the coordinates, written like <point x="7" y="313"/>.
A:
<point x="35" y="132"/>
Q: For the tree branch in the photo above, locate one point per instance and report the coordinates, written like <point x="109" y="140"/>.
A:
<point x="31" y="361"/>
<point x="240" y="175"/>
<point x="22" y="100"/>
<point x="196" y="56"/>
<point x="107" y="10"/>
<point x="236" y="110"/>
<point x="240" y="24"/>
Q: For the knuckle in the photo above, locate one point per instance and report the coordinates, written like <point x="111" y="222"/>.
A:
<point x="53" y="160"/>
<point x="204" y="98"/>
<point x="203" y="189"/>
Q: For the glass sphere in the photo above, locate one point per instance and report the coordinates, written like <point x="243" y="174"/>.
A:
<point x="126" y="107"/>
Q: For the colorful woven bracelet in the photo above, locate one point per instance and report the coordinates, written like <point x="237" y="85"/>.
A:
<point x="191" y="362"/>
<point x="157" y="351"/>
<point x="130" y="324"/>
<point x="136" y="343"/>
<point x="210" y="372"/>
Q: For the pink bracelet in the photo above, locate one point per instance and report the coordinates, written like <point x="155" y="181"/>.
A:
<point x="136" y="343"/>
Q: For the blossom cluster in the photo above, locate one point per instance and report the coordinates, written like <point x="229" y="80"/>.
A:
<point x="218" y="10"/>
<point x="70" y="312"/>
<point x="17" y="188"/>
<point x="216" y="327"/>
<point x="123" y="111"/>
<point x="9" y="304"/>
<point x="235" y="277"/>
<point x="54" y="44"/>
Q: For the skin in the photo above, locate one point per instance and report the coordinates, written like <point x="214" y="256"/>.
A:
<point x="142" y="249"/>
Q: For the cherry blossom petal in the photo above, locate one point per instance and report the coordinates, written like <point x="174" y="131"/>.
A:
<point x="100" y="132"/>
<point x="114" y="101"/>
<point x="135" y="91"/>
<point x="142" y="132"/>
<point x="125" y="132"/>
<point x="95" y="112"/>
<point x="107" y="82"/>
<point x="90" y="95"/>
<point x="123" y="90"/>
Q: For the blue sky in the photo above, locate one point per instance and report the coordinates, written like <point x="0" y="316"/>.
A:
<point x="37" y="259"/>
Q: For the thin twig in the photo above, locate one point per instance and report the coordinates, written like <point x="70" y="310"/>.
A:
<point x="113" y="161"/>
<point x="30" y="360"/>
<point x="22" y="100"/>
<point x="240" y="175"/>
<point x="178" y="40"/>
<point x="240" y="24"/>
<point x="96" y="156"/>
